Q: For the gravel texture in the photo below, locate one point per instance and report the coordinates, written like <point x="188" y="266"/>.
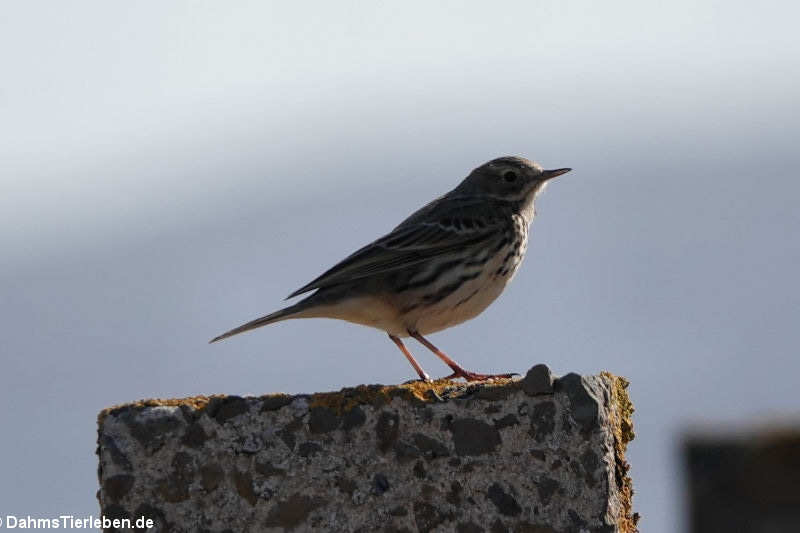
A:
<point x="537" y="454"/>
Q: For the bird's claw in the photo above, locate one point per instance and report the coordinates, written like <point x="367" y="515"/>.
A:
<point x="426" y="380"/>
<point x="474" y="376"/>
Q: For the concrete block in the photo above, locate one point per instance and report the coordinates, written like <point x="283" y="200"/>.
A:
<point x="538" y="454"/>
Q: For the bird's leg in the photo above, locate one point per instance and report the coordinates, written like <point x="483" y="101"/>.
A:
<point x="422" y="375"/>
<point x="458" y="371"/>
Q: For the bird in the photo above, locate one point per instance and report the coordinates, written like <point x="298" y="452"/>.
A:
<point x="443" y="265"/>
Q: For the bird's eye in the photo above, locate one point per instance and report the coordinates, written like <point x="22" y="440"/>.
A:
<point x="510" y="176"/>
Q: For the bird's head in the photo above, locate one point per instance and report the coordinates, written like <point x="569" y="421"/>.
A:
<point x="509" y="178"/>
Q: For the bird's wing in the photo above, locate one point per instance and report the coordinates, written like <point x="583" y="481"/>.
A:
<point x="411" y="243"/>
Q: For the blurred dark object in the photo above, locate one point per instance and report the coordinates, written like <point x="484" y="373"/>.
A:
<point x="747" y="483"/>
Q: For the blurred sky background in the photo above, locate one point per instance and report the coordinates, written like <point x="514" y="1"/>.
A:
<point x="169" y="170"/>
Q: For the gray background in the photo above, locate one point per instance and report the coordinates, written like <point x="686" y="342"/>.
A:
<point x="170" y="170"/>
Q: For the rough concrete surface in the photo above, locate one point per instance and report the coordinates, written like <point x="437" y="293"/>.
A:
<point x="537" y="454"/>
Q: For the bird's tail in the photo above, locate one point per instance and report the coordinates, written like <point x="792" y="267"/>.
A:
<point x="293" y="311"/>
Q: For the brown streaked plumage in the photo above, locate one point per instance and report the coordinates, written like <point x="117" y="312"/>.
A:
<point x="441" y="266"/>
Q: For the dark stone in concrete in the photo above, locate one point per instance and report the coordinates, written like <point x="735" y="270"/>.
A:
<point x="309" y="448"/>
<point x="153" y="431"/>
<point x="287" y="433"/>
<point x="243" y="481"/>
<point x="116" y="455"/>
<point x="211" y="475"/>
<point x="275" y="402"/>
<point x="183" y="463"/>
<point x="322" y="420"/>
<point x="346" y="485"/>
<point x="118" y="486"/>
<point x="391" y="528"/>
<point x="115" y="511"/>
<point x="171" y="491"/>
<point x="505" y="503"/>
<point x="387" y="429"/>
<point x="266" y="468"/>
<point x="430" y="448"/>
<point x="446" y="422"/>
<point x="419" y="470"/>
<point x="499" y="527"/>
<point x="589" y="460"/>
<point x="406" y="452"/>
<point x="538" y="380"/>
<point x="380" y="483"/>
<point x="474" y="437"/>
<point x="354" y="418"/>
<point x="584" y="403"/>
<point x="454" y="495"/>
<point x="507" y="421"/>
<point x="468" y="527"/>
<point x="175" y="487"/>
<point x="293" y="511"/>
<point x="590" y="463"/>
<point x="579" y="522"/>
<point x="527" y="527"/>
<point x="543" y="420"/>
<point x="427" y="516"/>
<point x="492" y="409"/>
<point x="492" y="393"/>
<point x="546" y="487"/>
<point x="399" y="511"/>
<point x="223" y="409"/>
<point x="195" y="436"/>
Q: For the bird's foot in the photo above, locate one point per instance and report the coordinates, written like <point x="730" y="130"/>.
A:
<point x="474" y="376"/>
<point x="426" y="379"/>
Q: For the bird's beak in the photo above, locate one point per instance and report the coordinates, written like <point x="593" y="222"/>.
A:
<point x="550" y="174"/>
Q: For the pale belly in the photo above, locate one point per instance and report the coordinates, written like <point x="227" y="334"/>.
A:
<point x="374" y="311"/>
<point x="459" y="307"/>
<point x="423" y="310"/>
<point x="388" y="313"/>
<point x="470" y="300"/>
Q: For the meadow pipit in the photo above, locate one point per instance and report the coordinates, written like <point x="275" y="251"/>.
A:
<point x="441" y="266"/>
